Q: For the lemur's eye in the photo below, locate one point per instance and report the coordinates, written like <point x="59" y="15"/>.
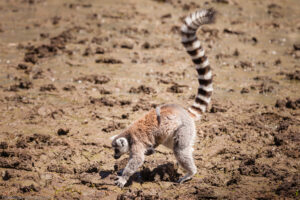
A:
<point x="117" y="151"/>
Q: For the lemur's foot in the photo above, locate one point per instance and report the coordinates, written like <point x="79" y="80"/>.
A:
<point x="184" y="179"/>
<point x="121" y="181"/>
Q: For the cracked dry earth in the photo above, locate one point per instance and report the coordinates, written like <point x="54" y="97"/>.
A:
<point x="73" y="73"/>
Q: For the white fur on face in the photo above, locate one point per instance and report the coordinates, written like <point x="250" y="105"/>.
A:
<point x="122" y="144"/>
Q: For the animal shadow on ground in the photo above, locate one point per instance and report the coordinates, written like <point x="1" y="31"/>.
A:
<point x="165" y="172"/>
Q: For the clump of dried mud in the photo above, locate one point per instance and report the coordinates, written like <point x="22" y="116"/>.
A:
<point x="74" y="73"/>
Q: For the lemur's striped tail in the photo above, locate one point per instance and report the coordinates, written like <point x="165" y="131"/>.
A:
<point x="196" y="51"/>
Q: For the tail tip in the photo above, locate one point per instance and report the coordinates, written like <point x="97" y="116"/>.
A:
<point x="211" y="15"/>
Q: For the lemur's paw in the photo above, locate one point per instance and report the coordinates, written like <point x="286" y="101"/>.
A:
<point x="184" y="179"/>
<point x="121" y="181"/>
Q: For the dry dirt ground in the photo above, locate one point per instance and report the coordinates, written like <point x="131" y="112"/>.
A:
<point x="73" y="73"/>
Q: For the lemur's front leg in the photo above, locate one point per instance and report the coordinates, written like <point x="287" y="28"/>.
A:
<point x="135" y="161"/>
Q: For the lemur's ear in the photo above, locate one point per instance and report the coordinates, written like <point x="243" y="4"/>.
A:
<point x="113" y="137"/>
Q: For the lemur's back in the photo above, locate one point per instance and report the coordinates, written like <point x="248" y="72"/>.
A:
<point x="159" y="126"/>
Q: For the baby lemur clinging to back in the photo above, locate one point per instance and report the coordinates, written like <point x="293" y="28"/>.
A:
<point x="171" y="125"/>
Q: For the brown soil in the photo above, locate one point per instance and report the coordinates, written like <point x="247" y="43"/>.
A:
<point x="74" y="73"/>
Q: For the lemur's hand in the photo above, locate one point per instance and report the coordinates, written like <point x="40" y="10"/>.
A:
<point x="121" y="181"/>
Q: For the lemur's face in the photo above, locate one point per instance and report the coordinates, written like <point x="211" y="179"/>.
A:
<point x="120" y="146"/>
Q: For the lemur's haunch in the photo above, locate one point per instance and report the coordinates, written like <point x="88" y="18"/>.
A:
<point x="171" y="125"/>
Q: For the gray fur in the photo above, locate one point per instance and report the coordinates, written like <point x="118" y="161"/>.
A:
<point x="183" y="141"/>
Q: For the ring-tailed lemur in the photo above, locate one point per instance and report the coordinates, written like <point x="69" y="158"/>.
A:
<point x="169" y="124"/>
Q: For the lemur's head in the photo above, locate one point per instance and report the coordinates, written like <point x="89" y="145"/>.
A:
<point x="120" y="146"/>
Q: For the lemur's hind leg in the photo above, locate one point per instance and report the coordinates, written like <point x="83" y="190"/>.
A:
<point x="186" y="161"/>
<point x="183" y="150"/>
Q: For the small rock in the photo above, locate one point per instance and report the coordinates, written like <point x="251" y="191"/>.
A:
<point x="59" y="169"/>
<point x="6" y="175"/>
<point x="294" y="75"/>
<point x="127" y="45"/>
<point x="29" y="188"/>
<point x="291" y="104"/>
<point x="244" y="90"/>
<point x="125" y="116"/>
<point x="63" y="131"/>
<point x="236" y="53"/>
<point x="280" y="103"/>
<point x="44" y="35"/>
<point x="221" y="1"/>
<point x="146" y="45"/>
<point x="277" y="62"/>
<point x="93" y="180"/>
<point x="108" y="61"/>
<point x="175" y="89"/>
<point x="22" y="66"/>
<point x="113" y="127"/>
<point x="166" y="16"/>
<point x="69" y="88"/>
<point x="48" y="87"/>
<point x="96" y="79"/>
<point x="99" y="50"/>
<point x="243" y="64"/>
<point x="228" y="31"/>
<point x="88" y="51"/>
<point x="103" y="101"/>
<point x="55" y="20"/>
<point x="142" y="89"/>
<point x="3" y="145"/>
